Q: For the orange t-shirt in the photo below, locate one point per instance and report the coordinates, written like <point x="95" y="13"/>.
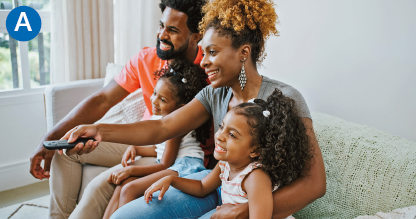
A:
<point x="138" y="73"/>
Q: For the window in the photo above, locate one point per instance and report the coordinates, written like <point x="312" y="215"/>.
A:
<point x="24" y="66"/>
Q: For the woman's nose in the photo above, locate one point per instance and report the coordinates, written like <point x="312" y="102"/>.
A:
<point x="204" y="62"/>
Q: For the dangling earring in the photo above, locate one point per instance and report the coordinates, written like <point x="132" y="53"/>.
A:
<point x="242" y="76"/>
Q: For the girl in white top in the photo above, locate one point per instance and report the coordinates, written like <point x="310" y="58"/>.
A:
<point x="177" y="85"/>
<point x="261" y="146"/>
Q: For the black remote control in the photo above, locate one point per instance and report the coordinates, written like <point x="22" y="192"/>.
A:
<point x="63" y="144"/>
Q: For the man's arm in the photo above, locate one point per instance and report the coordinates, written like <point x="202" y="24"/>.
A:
<point x="293" y="197"/>
<point x="88" y="111"/>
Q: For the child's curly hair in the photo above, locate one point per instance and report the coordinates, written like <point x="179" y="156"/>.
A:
<point x="281" y="137"/>
<point x="244" y="21"/>
<point x="187" y="79"/>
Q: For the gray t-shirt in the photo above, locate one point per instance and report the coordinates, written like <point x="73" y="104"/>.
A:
<point x="216" y="100"/>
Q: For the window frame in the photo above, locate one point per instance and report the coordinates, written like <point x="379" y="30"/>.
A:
<point x="26" y="88"/>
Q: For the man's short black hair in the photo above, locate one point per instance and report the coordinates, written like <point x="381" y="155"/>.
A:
<point x="192" y="8"/>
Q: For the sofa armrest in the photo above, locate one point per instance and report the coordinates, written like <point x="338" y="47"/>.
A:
<point x="61" y="98"/>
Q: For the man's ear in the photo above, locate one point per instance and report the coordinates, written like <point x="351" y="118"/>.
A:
<point x="195" y="38"/>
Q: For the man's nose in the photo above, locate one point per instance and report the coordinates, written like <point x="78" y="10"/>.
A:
<point x="163" y="34"/>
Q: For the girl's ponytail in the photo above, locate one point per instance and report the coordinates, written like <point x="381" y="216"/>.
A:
<point x="280" y="135"/>
<point x="285" y="146"/>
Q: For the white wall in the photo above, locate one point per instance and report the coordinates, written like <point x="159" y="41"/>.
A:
<point x="22" y="124"/>
<point x="352" y="59"/>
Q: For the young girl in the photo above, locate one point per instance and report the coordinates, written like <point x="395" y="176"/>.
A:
<point x="261" y="146"/>
<point x="180" y="156"/>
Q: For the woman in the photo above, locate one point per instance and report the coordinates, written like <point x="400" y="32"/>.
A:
<point x="234" y="39"/>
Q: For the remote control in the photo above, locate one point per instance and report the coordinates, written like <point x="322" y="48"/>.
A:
<point x="63" y="144"/>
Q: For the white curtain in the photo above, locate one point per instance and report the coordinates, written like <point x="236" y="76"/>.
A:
<point x="82" y="39"/>
<point x="135" y="25"/>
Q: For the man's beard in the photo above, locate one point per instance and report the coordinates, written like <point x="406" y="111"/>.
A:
<point x="171" y="53"/>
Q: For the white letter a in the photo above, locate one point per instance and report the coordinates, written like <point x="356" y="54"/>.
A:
<point x="20" y="24"/>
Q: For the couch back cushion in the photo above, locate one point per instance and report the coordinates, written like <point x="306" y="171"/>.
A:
<point x="367" y="170"/>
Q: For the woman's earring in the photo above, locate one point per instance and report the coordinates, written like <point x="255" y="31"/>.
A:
<point x="242" y="76"/>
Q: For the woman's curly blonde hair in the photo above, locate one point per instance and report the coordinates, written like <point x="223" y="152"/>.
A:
<point x="245" y="21"/>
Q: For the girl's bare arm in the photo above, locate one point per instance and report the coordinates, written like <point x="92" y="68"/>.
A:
<point x="169" y="155"/>
<point x="199" y="188"/>
<point x="258" y="187"/>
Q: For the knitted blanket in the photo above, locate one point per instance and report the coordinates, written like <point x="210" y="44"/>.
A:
<point x="367" y="170"/>
<point x="129" y="110"/>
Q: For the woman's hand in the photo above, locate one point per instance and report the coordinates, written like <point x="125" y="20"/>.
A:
<point x="162" y="185"/>
<point x="130" y="154"/>
<point x="231" y="211"/>
<point x="82" y="131"/>
<point x="119" y="175"/>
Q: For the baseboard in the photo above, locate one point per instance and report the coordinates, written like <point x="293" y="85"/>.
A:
<point x="15" y="175"/>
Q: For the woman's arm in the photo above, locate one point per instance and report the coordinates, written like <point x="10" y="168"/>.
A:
<point x="306" y="189"/>
<point x="179" y="122"/>
<point x="199" y="188"/>
<point x="258" y="187"/>
<point x="293" y="197"/>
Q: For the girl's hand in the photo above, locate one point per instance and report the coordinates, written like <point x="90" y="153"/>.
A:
<point x="162" y="185"/>
<point x="129" y="154"/>
<point x="82" y="131"/>
<point x="119" y="175"/>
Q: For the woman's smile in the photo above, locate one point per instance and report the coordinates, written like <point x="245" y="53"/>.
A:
<point x="212" y="74"/>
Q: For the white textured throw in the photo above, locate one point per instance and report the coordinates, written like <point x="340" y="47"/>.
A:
<point x="367" y="170"/>
<point x="129" y="110"/>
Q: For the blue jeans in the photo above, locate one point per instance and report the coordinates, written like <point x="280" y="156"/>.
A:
<point x="175" y="204"/>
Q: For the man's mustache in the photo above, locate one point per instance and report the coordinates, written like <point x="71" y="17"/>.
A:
<point x="166" y="42"/>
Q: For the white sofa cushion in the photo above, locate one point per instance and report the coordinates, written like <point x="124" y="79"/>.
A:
<point x="129" y="110"/>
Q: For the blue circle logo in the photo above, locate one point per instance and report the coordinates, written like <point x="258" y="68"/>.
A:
<point x="23" y="23"/>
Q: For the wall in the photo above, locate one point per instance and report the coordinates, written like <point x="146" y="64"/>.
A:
<point x="352" y="59"/>
<point x="22" y="124"/>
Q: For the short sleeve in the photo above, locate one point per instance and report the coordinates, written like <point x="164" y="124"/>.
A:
<point x="300" y="104"/>
<point x="204" y="96"/>
<point x="222" y="164"/>
<point x="128" y="78"/>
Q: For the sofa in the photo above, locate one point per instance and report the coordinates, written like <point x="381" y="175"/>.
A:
<point x="368" y="171"/>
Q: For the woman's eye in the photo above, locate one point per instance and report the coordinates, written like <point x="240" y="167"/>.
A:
<point x="211" y="52"/>
<point x="232" y="135"/>
<point x="220" y="126"/>
<point x="163" y="100"/>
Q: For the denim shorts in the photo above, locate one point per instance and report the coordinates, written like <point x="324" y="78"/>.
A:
<point x="187" y="165"/>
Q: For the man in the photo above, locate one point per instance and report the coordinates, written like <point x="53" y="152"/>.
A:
<point x="177" y="38"/>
